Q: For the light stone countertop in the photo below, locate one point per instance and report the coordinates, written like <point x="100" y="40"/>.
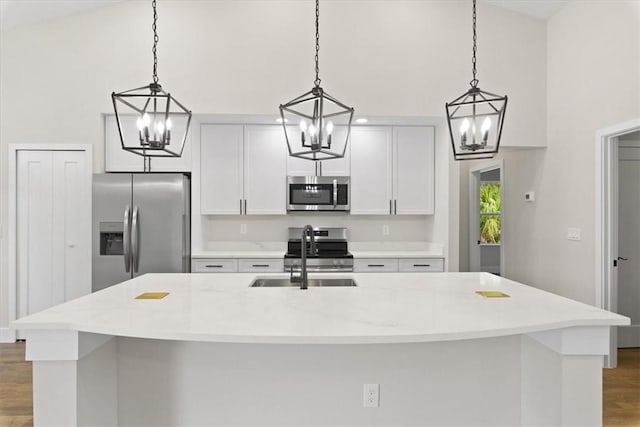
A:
<point x="383" y="308"/>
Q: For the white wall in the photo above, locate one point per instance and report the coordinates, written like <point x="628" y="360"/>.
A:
<point x="386" y="58"/>
<point x="593" y="81"/>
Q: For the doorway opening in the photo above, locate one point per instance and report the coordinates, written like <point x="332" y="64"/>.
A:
<point x="618" y="230"/>
<point x="486" y="194"/>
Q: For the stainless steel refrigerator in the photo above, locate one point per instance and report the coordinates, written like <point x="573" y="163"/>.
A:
<point x="141" y="224"/>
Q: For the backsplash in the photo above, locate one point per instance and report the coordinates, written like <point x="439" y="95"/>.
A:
<point x="274" y="228"/>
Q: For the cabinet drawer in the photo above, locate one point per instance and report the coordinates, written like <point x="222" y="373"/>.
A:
<point x="407" y="265"/>
<point x="214" y="265"/>
<point x="375" y="265"/>
<point x="261" y="265"/>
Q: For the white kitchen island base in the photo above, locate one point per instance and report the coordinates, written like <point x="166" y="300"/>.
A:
<point x="214" y="352"/>
<point x="499" y="381"/>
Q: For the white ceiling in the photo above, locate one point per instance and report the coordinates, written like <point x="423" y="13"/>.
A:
<point x="14" y="13"/>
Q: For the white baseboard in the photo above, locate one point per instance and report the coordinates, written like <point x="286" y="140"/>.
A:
<point x="7" y="335"/>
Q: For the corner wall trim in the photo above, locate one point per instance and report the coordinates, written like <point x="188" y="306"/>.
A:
<point x="7" y="335"/>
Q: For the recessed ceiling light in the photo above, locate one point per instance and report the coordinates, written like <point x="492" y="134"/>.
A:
<point x="362" y="120"/>
<point x="279" y="120"/>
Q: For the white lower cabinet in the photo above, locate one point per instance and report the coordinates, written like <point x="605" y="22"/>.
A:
<point x="211" y="265"/>
<point x="375" y="265"/>
<point x="408" y="265"/>
<point x="261" y="265"/>
<point x="402" y="265"/>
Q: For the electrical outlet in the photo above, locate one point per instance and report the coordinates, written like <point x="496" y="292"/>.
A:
<point x="371" y="396"/>
<point x="385" y="230"/>
<point x="530" y="196"/>
<point x="574" y="234"/>
<point x="243" y="228"/>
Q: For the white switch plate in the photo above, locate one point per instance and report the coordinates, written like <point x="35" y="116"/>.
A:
<point x="385" y="230"/>
<point x="371" y="395"/>
<point x="574" y="234"/>
<point x="243" y="228"/>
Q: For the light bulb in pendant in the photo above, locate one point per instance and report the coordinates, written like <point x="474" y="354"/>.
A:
<point x="169" y="124"/>
<point x="329" y="128"/>
<point x="464" y="128"/>
<point x="146" y="120"/>
<point x="486" y="125"/>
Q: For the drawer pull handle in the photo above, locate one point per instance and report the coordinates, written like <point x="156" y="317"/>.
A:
<point x="260" y="265"/>
<point x="213" y="266"/>
<point x="422" y="265"/>
<point x="375" y="265"/>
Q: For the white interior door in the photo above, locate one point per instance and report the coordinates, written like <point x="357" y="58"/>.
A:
<point x="628" y="288"/>
<point x="53" y="228"/>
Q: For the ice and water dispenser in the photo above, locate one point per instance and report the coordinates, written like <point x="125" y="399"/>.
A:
<point x="111" y="238"/>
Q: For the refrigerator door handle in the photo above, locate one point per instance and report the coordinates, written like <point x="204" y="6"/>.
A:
<point x="135" y="239"/>
<point x="127" y="239"/>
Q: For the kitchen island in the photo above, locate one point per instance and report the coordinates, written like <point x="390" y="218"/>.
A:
<point x="214" y="351"/>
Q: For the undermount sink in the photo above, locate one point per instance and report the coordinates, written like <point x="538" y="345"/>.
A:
<point x="281" y="282"/>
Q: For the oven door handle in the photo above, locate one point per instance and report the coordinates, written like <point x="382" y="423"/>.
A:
<point x="335" y="193"/>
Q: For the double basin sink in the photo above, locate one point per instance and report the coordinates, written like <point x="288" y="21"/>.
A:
<point x="271" y="282"/>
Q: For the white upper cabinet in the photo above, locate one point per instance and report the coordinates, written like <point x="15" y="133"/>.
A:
<point x="265" y="170"/>
<point x="371" y="170"/>
<point x="392" y="170"/>
<point x="221" y="169"/>
<point x="243" y="170"/>
<point x="333" y="167"/>
<point x="119" y="160"/>
<point x="413" y="170"/>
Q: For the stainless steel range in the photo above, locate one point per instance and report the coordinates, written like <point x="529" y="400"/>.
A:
<point x="331" y="254"/>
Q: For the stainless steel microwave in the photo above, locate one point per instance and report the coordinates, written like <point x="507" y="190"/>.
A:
<point x="318" y="193"/>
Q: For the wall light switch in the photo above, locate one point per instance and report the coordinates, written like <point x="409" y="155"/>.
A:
<point x="371" y="395"/>
<point x="243" y="228"/>
<point x="385" y="230"/>
<point x="574" y="234"/>
<point x="530" y="196"/>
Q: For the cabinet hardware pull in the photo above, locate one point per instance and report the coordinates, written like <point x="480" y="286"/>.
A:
<point x="240" y="206"/>
<point x="375" y="265"/>
<point x="260" y="265"/>
<point x="390" y="207"/>
<point x="422" y="265"/>
<point x="395" y="207"/>
<point x="213" y="266"/>
<point x="245" y="206"/>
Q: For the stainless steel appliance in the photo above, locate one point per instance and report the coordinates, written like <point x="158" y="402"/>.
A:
<point x="141" y="224"/>
<point x="318" y="193"/>
<point x="331" y="253"/>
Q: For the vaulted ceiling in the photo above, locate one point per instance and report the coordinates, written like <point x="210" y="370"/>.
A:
<point x="14" y="13"/>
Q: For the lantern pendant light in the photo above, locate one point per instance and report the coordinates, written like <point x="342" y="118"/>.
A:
<point x="161" y="122"/>
<point x="316" y="125"/>
<point x="475" y="119"/>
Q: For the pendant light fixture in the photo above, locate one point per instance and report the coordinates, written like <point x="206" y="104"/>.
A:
<point x="311" y="120"/>
<point x="475" y="119"/>
<point x="161" y="122"/>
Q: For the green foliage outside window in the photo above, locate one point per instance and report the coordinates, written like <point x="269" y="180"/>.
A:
<point x="490" y="202"/>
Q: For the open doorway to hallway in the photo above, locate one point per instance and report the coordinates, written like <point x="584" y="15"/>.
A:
<point x="618" y="230"/>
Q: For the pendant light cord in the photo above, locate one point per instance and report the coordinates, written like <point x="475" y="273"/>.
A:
<point x="474" y="82"/>
<point x="155" y="43"/>
<point x="317" y="81"/>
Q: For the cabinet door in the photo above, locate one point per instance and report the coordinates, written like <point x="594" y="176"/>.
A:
<point x="119" y="160"/>
<point x="333" y="167"/>
<point x="221" y="170"/>
<point x="413" y="176"/>
<point x="265" y="170"/>
<point x="371" y="179"/>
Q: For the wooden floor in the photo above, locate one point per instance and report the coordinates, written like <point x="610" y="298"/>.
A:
<point x="621" y="393"/>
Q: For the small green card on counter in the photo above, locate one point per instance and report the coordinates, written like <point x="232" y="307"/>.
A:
<point x="492" y="294"/>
